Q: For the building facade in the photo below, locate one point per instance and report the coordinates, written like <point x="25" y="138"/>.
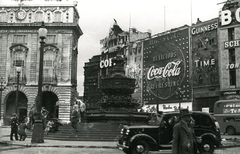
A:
<point x="189" y="66"/>
<point x="205" y="66"/>
<point x="229" y="50"/>
<point x="19" y="22"/>
<point x="118" y="42"/>
<point x="92" y="91"/>
<point x="134" y="64"/>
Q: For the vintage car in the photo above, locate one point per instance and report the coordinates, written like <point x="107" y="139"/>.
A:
<point x="144" y="138"/>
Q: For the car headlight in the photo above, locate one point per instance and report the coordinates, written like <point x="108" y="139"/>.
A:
<point x="122" y="131"/>
<point x="127" y="132"/>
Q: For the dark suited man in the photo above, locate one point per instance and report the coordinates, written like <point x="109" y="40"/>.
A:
<point x="184" y="139"/>
<point x="75" y="117"/>
<point x="14" y="127"/>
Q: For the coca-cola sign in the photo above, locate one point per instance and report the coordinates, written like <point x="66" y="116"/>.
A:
<point x="170" y="70"/>
<point x="166" y="67"/>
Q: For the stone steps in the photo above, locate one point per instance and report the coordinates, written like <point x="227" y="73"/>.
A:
<point x="86" y="132"/>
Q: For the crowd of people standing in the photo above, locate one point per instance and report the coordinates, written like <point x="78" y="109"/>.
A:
<point x="20" y="127"/>
<point x="77" y="115"/>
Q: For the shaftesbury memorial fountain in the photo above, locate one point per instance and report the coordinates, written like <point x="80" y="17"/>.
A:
<point x="117" y="105"/>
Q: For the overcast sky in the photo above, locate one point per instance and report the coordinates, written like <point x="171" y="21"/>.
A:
<point x="96" y="17"/>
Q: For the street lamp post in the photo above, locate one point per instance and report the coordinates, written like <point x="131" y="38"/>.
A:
<point x="18" y="70"/>
<point x="38" y="132"/>
<point x="2" y="87"/>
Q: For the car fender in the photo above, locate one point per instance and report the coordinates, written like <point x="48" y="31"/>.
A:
<point x="209" y="135"/>
<point x="145" y="137"/>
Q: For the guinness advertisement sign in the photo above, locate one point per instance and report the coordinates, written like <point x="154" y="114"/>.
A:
<point x="166" y="68"/>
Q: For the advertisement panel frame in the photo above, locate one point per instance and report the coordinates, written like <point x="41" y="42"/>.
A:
<point x="167" y="51"/>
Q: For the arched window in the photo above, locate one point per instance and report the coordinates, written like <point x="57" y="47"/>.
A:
<point x="49" y="64"/>
<point x="18" y="58"/>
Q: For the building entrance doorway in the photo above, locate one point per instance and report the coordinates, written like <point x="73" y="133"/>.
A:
<point x="49" y="100"/>
<point x="22" y="112"/>
<point x="11" y="107"/>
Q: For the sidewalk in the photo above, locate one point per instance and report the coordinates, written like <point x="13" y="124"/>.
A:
<point x="5" y="139"/>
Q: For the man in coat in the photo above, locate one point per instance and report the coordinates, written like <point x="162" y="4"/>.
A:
<point x="82" y="110"/>
<point x="184" y="139"/>
<point x="75" y="117"/>
<point x="14" y="127"/>
<point x="21" y="130"/>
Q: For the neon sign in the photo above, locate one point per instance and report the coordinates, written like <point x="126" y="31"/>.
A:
<point x="166" y="67"/>
<point x="231" y="44"/>
<point x="106" y="63"/>
<point x="171" y="69"/>
<point x="227" y="17"/>
<point x="203" y="29"/>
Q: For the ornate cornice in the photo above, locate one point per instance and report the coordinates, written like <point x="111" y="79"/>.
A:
<point x="34" y="9"/>
<point x="36" y="25"/>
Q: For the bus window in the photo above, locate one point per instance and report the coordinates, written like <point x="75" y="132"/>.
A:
<point x="229" y="119"/>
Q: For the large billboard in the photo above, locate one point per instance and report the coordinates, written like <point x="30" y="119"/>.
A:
<point x="166" y="77"/>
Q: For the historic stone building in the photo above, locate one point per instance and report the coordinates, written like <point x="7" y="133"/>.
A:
<point x="205" y="66"/>
<point x="19" y="22"/>
<point x="134" y="63"/>
<point x="229" y="50"/>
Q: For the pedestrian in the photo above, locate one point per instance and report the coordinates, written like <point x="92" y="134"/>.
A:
<point x="14" y="127"/>
<point x="184" y="139"/>
<point x="21" y="131"/>
<point x="82" y="110"/>
<point x="74" y="117"/>
<point x="30" y="117"/>
<point x="44" y="113"/>
<point x="48" y="127"/>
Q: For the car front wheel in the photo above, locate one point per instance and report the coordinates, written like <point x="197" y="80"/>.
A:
<point x="140" y="147"/>
<point x="207" y="146"/>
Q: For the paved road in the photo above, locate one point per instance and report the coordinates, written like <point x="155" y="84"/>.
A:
<point x="235" y="150"/>
<point x="53" y="150"/>
<point x="232" y="150"/>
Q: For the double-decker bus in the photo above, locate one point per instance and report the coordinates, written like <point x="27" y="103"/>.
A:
<point x="227" y="113"/>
